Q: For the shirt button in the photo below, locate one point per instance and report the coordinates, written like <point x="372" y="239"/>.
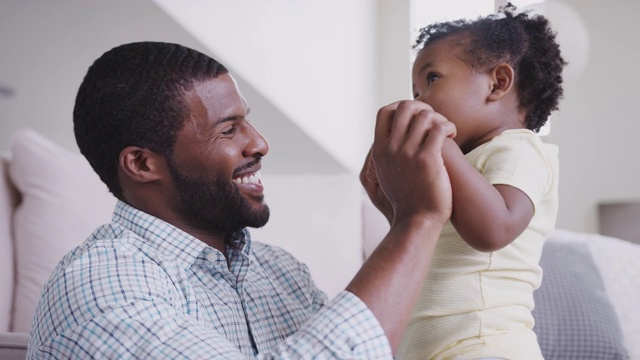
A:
<point x="212" y="257"/>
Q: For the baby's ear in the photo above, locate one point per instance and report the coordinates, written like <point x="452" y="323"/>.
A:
<point x="503" y="78"/>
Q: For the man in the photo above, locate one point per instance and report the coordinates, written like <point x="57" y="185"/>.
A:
<point x="176" y="275"/>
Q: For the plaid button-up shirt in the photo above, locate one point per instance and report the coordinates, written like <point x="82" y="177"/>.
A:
<point x="142" y="288"/>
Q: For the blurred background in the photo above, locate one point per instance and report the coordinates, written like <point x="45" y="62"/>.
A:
<point x="315" y="72"/>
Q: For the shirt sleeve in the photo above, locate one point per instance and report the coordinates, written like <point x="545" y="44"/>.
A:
<point x="520" y="162"/>
<point x="344" y="329"/>
<point x="113" y="303"/>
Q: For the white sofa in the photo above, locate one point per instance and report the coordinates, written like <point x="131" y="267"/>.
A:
<point x="50" y="200"/>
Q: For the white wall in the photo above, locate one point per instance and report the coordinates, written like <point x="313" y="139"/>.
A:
<point x="395" y="56"/>
<point x="312" y="59"/>
<point x="597" y="126"/>
<point x="47" y="47"/>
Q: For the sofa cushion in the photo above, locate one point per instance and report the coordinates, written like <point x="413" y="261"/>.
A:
<point x="574" y="317"/>
<point x="617" y="262"/>
<point x="62" y="202"/>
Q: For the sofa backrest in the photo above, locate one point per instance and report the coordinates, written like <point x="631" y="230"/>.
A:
<point x="8" y="199"/>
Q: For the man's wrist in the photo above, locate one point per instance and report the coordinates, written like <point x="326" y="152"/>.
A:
<point x="430" y="223"/>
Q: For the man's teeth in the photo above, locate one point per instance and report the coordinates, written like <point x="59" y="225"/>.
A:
<point x="250" y="179"/>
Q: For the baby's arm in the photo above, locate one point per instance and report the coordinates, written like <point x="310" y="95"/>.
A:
<point x="487" y="217"/>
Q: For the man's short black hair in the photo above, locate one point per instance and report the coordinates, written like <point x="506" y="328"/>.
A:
<point x="527" y="43"/>
<point x="133" y="95"/>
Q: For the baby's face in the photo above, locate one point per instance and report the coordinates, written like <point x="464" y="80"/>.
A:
<point x="455" y="90"/>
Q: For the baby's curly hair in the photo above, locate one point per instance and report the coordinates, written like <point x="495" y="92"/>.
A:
<point x="525" y="42"/>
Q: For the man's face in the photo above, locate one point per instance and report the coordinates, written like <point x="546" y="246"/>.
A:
<point x="216" y="161"/>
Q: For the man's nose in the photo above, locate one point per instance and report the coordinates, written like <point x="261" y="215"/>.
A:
<point x="257" y="144"/>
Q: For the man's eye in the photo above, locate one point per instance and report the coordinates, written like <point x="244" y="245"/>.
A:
<point x="431" y="77"/>
<point x="230" y="130"/>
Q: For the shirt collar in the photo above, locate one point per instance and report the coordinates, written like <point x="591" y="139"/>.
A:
<point x="170" y="240"/>
<point x="239" y="241"/>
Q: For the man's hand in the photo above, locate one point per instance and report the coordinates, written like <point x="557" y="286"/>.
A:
<point x="369" y="180"/>
<point x="405" y="177"/>
<point x="406" y="160"/>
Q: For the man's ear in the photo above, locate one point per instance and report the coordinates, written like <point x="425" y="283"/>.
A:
<point x="502" y="78"/>
<point x="140" y="165"/>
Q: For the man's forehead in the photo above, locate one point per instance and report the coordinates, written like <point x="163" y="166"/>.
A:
<point x="217" y="97"/>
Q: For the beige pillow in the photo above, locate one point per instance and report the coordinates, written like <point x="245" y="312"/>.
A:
<point x="63" y="201"/>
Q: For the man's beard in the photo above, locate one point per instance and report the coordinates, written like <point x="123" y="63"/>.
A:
<point x="216" y="204"/>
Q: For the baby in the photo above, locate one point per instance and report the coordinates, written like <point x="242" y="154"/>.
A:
<point x="497" y="78"/>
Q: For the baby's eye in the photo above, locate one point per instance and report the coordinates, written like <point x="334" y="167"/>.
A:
<point x="431" y="77"/>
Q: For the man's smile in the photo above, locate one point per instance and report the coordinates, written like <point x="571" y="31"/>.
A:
<point x="250" y="178"/>
<point x="250" y="183"/>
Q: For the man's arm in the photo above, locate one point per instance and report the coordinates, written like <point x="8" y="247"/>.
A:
<point x="412" y="189"/>
<point x="487" y="217"/>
